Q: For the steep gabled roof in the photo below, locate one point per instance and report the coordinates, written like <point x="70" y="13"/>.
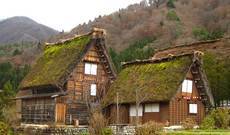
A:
<point x="156" y="80"/>
<point x="59" y="59"/>
<point x="217" y="46"/>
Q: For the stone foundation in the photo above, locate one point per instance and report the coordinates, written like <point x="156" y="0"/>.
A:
<point x="45" y="130"/>
<point x="52" y="131"/>
<point x="123" y="130"/>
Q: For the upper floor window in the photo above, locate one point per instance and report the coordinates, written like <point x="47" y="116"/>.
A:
<point x="187" y="86"/>
<point x="90" y="69"/>
<point x="152" y="108"/>
<point x="193" y="108"/>
<point x="93" y="90"/>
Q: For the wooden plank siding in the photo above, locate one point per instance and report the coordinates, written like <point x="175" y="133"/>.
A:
<point x="179" y="106"/>
<point x="123" y="114"/>
<point x="162" y="116"/>
<point x="38" y="110"/>
<point x="78" y="87"/>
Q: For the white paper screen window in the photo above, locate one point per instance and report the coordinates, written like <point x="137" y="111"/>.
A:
<point x="187" y="86"/>
<point x="193" y="108"/>
<point x="132" y="110"/>
<point x="93" y="69"/>
<point x="90" y="69"/>
<point x="152" y="108"/>
<point x="93" y="90"/>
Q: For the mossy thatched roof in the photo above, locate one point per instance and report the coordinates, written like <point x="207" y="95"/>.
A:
<point x="154" y="81"/>
<point x="53" y="65"/>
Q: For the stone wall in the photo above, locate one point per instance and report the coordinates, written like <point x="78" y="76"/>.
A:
<point x="123" y="130"/>
<point x="52" y="131"/>
<point x="117" y="130"/>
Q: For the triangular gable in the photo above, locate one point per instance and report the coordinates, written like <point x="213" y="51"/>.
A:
<point x="59" y="60"/>
<point x="156" y="80"/>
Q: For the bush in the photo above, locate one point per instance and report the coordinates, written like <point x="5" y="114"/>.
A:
<point x="171" y="15"/>
<point x="208" y="123"/>
<point x="170" y="4"/>
<point x="107" y="131"/>
<point x="16" y="52"/>
<point x="149" y="128"/>
<point x="218" y="118"/>
<point x="4" y="129"/>
<point x="221" y="118"/>
<point x="188" y="123"/>
<point x="97" y="124"/>
<point x="202" y="33"/>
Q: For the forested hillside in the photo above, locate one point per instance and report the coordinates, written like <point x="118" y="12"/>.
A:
<point x="170" y="22"/>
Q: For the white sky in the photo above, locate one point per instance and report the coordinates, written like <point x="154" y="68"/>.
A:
<point x="61" y="14"/>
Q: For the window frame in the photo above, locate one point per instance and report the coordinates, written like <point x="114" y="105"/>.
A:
<point x="93" y="84"/>
<point x="90" y="68"/>
<point x="186" y="83"/>
<point x="192" y="111"/>
<point x="132" y="111"/>
<point x="152" y="109"/>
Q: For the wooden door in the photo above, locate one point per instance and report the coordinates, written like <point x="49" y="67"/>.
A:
<point x="60" y="113"/>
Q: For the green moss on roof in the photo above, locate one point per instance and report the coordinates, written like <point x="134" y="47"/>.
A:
<point x="154" y="81"/>
<point x="55" y="62"/>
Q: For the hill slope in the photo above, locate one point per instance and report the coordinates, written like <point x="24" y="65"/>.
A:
<point x="169" y="24"/>
<point x="18" y="29"/>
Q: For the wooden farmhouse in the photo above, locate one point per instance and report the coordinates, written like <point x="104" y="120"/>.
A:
<point x="166" y="90"/>
<point x="67" y="81"/>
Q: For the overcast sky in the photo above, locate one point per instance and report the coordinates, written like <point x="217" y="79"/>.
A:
<point x="61" y="14"/>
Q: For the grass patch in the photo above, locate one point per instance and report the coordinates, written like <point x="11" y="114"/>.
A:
<point x="199" y="132"/>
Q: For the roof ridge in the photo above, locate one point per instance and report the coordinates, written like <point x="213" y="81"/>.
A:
<point x="159" y="60"/>
<point x="193" y="43"/>
<point x="95" y="32"/>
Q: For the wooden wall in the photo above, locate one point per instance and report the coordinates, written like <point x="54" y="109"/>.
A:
<point x="162" y="116"/>
<point x="123" y="114"/>
<point x="124" y="118"/>
<point x="179" y="106"/>
<point x="38" y="110"/>
<point x="78" y="87"/>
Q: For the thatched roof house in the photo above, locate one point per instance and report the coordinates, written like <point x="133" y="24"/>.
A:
<point x="159" y="82"/>
<point x="68" y="74"/>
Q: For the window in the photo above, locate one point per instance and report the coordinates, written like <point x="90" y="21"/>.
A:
<point x="152" y="108"/>
<point x="90" y="69"/>
<point x="93" y="90"/>
<point x="187" y="86"/>
<point x="132" y="110"/>
<point x="193" y="108"/>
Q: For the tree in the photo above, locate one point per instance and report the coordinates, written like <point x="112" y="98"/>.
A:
<point x="156" y="3"/>
<point x="170" y="4"/>
<point x="140" y="95"/>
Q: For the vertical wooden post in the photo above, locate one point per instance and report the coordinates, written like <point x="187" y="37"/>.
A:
<point x="117" y="108"/>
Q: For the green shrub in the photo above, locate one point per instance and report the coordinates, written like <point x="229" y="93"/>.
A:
<point x="208" y="123"/>
<point x="171" y="15"/>
<point x="188" y="123"/>
<point x="149" y="128"/>
<point x="221" y="118"/>
<point x="218" y="118"/>
<point x="170" y="4"/>
<point x="85" y="133"/>
<point x="107" y="131"/>
<point x="4" y="129"/>
<point x="202" y="33"/>
<point x="16" y="52"/>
